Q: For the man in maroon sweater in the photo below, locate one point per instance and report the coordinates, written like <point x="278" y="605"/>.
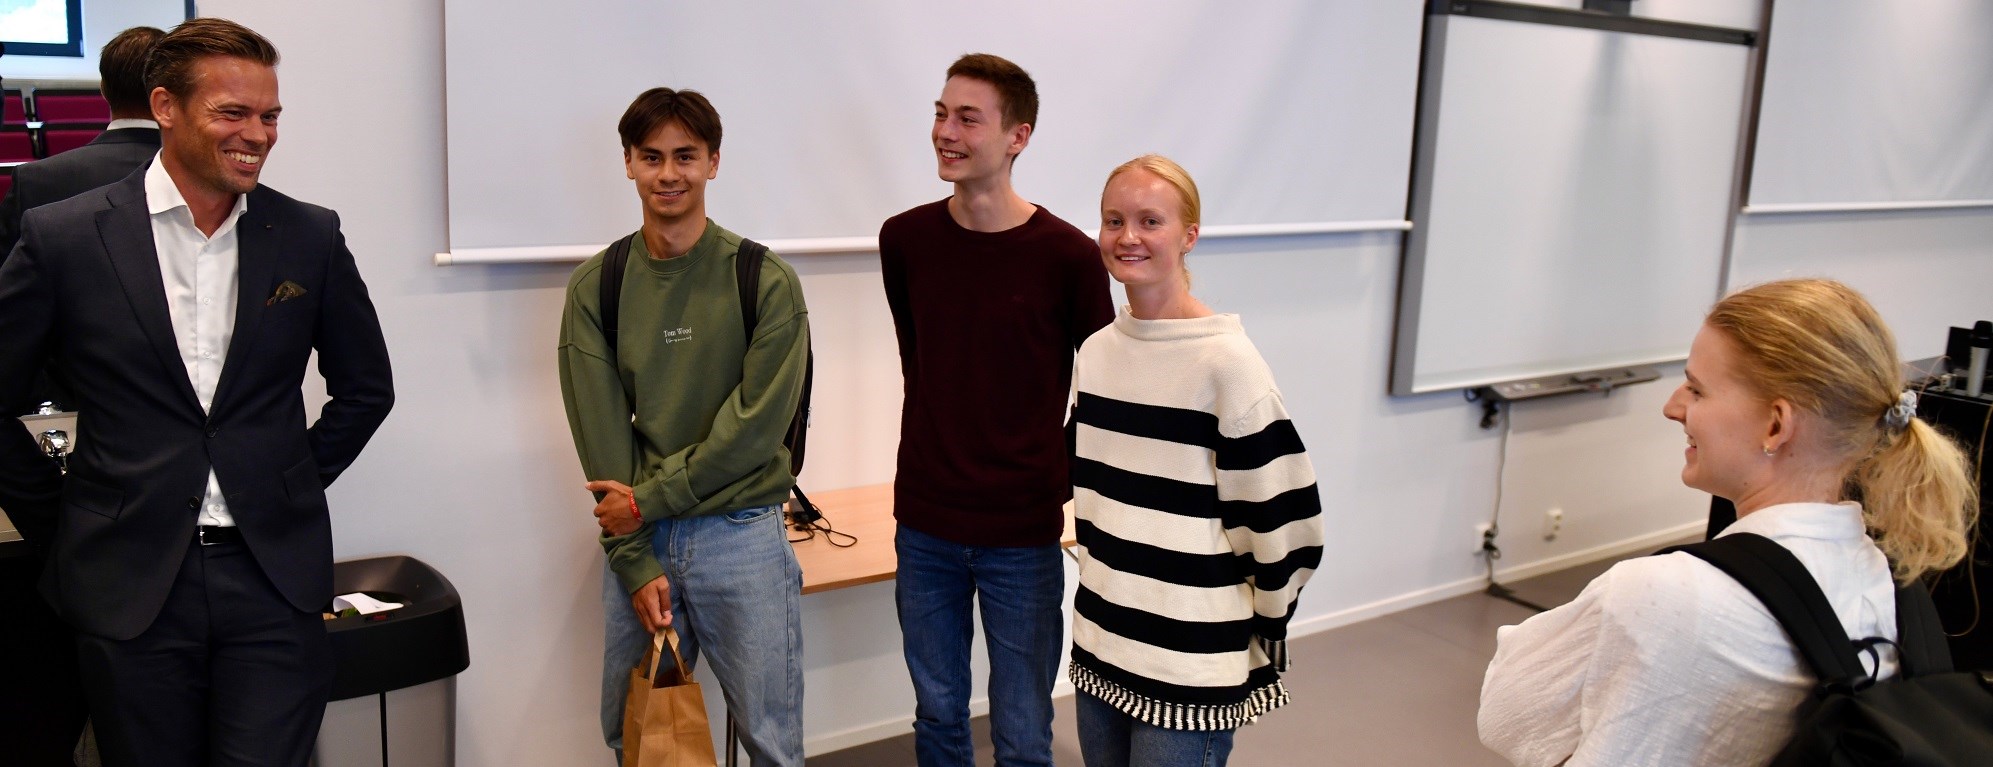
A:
<point x="990" y="296"/>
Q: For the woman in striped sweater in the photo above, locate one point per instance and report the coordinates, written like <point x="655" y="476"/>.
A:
<point x="1198" y="518"/>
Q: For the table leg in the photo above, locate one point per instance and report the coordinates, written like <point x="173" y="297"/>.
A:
<point x="733" y="740"/>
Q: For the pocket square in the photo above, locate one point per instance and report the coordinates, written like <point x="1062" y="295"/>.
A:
<point x="285" y="292"/>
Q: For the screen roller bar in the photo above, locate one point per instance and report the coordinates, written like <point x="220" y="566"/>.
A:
<point x="1609" y="22"/>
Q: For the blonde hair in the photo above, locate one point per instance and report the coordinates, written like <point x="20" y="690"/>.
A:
<point x="1167" y="170"/>
<point x="1173" y="174"/>
<point x="1820" y="346"/>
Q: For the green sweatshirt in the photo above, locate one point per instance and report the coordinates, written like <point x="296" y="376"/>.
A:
<point x="686" y="411"/>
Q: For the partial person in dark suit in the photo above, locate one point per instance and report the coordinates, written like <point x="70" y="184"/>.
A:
<point x="42" y="709"/>
<point x="190" y="545"/>
<point x="126" y="145"/>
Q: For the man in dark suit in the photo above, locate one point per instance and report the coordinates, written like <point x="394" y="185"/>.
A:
<point x="189" y="543"/>
<point x="126" y="145"/>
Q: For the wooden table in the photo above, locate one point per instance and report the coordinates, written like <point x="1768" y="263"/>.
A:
<point x="867" y="513"/>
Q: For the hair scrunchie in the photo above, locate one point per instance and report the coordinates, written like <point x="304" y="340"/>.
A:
<point x="1898" y="417"/>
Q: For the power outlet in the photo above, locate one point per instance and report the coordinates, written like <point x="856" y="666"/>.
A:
<point x="1553" y="523"/>
<point x="1484" y="538"/>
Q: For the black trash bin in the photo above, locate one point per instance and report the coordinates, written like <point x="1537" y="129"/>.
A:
<point x="394" y="698"/>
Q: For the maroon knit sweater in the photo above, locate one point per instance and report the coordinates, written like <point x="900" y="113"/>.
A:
<point x="987" y="322"/>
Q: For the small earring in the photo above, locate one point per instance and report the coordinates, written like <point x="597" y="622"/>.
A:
<point x="1769" y="450"/>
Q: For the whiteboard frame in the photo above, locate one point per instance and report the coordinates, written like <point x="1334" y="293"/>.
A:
<point x="1432" y="70"/>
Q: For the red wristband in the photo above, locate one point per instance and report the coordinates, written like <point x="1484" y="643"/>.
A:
<point x="633" y="509"/>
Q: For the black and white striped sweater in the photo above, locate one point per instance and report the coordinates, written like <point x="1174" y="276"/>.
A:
<point x="1198" y="522"/>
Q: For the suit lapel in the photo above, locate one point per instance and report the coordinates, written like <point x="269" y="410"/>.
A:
<point x="257" y="249"/>
<point x="126" y="229"/>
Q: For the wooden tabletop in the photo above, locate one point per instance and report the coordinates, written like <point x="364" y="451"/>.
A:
<point x="865" y="512"/>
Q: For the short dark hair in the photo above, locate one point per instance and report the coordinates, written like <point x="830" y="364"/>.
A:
<point x="657" y="106"/>
<point x="122" y="66"/>
<point x="1013" y="85"/>
<point x="171" y="65"/>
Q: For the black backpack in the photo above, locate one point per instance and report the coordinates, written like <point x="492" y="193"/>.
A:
<point x="747" y="278"/>
<point x="1927" y="714"/>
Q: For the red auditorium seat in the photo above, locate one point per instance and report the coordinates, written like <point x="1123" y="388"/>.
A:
<point x="59" y="140"/>
<point x="16" y="145"/>
<point x="16" y="110"/>
<point x="71" y="106"/>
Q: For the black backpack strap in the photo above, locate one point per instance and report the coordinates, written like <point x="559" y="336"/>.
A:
<point x="1778" y="580"/>
<point x="613" y="264"/>
<point x="1920" y="636"/>
<point x="747" y="277"/>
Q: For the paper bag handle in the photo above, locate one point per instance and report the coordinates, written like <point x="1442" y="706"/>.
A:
<point x="665" y="637"/>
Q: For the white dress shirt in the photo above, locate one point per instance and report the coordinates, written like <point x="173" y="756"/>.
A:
<point x="199" y="273"/>
<point x="130" y="122"/>
<point x="1668" y="661"/>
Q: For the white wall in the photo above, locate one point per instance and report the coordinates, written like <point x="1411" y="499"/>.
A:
<point x="102" y="20"/>
<point x="1924" y="270"/>
<point x="474" y="472"/>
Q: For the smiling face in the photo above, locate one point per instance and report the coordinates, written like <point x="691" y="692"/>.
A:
<point x="218" y="137"/>
<point x="1143" y="232"/>
<point x="671" y="168"/>
<point x="970" y="141"/>
<point x="1728" y="423"/>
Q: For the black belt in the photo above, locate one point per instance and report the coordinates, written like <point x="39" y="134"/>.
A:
<point x="209" y="535"/>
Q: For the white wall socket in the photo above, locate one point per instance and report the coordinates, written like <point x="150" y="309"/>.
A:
<point x="1481" y="539"/>
<point x="1553" y="523"/>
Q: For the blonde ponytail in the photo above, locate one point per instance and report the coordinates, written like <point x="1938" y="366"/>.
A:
<point x="1821" y="346"/>
<point x="1920" y="500"/>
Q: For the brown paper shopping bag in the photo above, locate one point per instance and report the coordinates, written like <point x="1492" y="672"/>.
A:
<point x="664" y="721"/>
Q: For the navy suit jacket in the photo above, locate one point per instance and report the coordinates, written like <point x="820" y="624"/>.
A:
<point x="108" y="158"/>
<point x="83" y="290"/>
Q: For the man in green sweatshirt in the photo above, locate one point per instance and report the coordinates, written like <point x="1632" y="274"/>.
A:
<point x="679" y="427"/>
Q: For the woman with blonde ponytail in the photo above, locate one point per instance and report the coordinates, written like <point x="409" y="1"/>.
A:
<point x="1794" y="411"/>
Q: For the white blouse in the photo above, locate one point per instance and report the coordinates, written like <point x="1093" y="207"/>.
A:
<point x="1668" y="661"/>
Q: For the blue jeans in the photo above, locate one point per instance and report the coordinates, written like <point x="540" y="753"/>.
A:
<point x="736" y="600"/>
<point x="1021" y="591"/>
<point x="1110" y="738"/>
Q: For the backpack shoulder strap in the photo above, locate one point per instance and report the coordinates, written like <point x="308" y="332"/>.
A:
<point x="611" y="303"/>
<point x="1920" y="636"/>
<point x="1778" y="580"/>
<point x="747" y="276"/>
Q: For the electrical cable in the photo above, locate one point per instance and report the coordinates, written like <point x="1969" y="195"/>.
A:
<point x="807" y="519"/>
<point x="1931" y="375"/>
<point x="1489" y="551"/>
<point x="1972" y="531"/>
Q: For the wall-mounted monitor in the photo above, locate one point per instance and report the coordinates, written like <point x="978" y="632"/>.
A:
<point x="42" y="27"/>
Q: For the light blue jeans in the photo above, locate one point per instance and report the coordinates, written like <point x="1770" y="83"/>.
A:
<point x="736" y="601"/>
<point x="1110" y="738"/>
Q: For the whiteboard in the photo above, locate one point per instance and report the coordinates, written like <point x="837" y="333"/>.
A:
<point x="1571" y="201"/>
<point x="1290" y="111"/>
<point x="1868" y="102"/>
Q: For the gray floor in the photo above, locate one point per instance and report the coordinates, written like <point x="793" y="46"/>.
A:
<point x="1397" y="690"/>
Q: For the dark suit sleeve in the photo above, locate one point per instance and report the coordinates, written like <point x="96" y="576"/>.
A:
<point x="353" y="359"/>
<point x="10" y="219"/>
<point x="30" y="483"/>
